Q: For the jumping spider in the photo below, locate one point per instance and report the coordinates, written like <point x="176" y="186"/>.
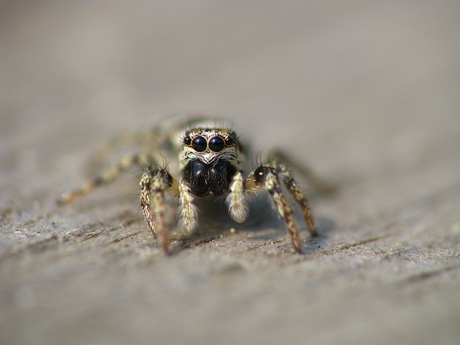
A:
<point x="203" y="159"/>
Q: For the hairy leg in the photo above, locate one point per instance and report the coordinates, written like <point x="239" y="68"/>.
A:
<point x="304" y="171"/>
<point x="291" y="185"/>
<point x="187" y="211"/>
<point x="266" y="178"/>
<point x="154" y="183"/>
<point x="106" y="176"/>
<point x="236" y="202"/>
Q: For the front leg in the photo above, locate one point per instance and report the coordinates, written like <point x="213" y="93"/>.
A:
<point x="154" y="183"/>
<point x="187" y="209"/>
<point x="266" y="177"/>
<point x="236" y="201"/>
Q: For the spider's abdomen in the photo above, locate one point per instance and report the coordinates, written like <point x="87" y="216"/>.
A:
<point x="209" y="179"/>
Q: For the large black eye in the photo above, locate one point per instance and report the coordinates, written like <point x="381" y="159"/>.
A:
<point x="187" y="140"/>
<point x="216" y="144"/>
<point x="199" y="144"/>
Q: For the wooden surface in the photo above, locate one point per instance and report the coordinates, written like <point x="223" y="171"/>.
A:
<point x="367" y="95"/>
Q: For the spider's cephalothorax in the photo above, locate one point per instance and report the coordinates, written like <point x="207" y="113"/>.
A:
<point x="204" y="159"/>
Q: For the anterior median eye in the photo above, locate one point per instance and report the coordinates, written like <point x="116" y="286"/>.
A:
<point x="199" y="144"/>
<point x="216" y="144"/>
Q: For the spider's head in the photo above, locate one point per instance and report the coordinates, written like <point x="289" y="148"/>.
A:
<point x="210" y="159"/>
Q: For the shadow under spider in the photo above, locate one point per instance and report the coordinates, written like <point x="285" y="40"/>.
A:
<point x="263" y="222"/>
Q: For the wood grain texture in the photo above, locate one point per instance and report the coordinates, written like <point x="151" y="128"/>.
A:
<point x="365" y="94"/>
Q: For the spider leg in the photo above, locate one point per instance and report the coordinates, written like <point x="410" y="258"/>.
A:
<point x="154" y="183"/>
<point x="106" y="176"/>
<point x="236" y="202"/>
<point x="187" y="210"/>
<point x="286" y="176"/>
<point x="266" y="177"/>
<point x="308" y="174"/>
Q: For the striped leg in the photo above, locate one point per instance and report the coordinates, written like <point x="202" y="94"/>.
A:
<point x="266" y="177"/>
<point x="305" y="172"/>
<point x="146" y="138"/>
<point x="107" y="176"/>
<point x="154" y="183"/>
<point x="297" y="194"/>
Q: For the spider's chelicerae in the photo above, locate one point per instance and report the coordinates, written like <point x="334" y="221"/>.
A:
<point x="203" y="159"/>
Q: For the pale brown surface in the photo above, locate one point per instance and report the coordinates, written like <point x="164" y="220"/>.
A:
<point x="368" y="95"/>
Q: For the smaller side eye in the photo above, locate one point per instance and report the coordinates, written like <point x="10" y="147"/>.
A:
<point x="187" y="140"/>
<point x="229" y="141"/>
<point x="199" y="144"/>
<point x="216" y="144"/>
<point x="260" y="174"/>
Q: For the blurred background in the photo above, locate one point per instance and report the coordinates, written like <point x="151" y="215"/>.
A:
<point x="364" y="80"/>
<point x="354" y="89"/>
<point x="366" y="93"/>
